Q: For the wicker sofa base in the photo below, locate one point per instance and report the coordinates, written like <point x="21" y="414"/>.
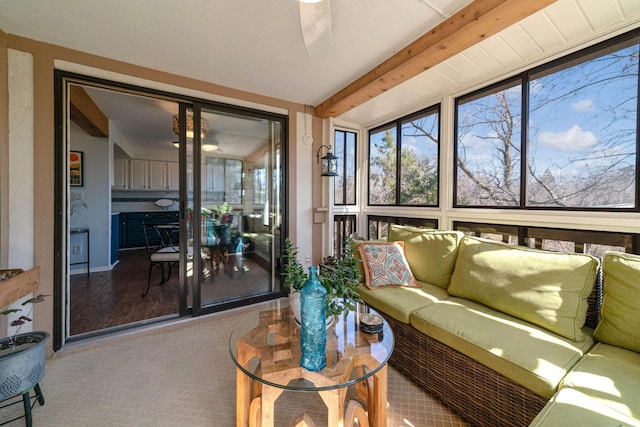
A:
<point x="479" y="394"/>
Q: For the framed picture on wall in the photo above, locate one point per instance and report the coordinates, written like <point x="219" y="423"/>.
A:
<point x="76" y="168"/>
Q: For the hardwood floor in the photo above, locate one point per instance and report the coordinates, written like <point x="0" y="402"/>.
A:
<point x="113" y="298"/>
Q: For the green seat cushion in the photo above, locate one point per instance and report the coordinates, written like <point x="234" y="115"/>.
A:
<point x="572" y="408"/>
<point x="400" y="302"/>
<point x="525" y="353"/>
<point x="549" y="289"/>
<point x="431" y="253"/>
<point x="620" y="314"/>
<point x="610" y="375"/>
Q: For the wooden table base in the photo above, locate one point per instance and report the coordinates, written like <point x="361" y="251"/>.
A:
<point x="259" y="410"/>
<point x="272" y="351"/>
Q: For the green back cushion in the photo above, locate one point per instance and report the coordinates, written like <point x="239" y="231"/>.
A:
<point x="620" y="314"/>
<point x="356" y="254"/>
<point x="431" y="253"/>
<point x="549" y="289"/>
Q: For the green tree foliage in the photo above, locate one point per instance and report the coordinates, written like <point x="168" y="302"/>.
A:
<point x="418" y="172"/>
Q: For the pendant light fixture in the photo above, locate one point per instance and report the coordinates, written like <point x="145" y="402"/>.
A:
<point x="207" y="144"/>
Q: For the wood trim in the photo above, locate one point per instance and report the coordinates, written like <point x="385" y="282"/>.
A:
<point x="86" y="114"/>
<point x="474" y="23"/>
<point x="11" y="290"/>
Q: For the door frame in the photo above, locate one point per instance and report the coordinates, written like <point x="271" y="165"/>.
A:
<point x="61" y="81"/>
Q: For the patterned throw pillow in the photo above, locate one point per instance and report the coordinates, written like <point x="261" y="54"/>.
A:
<point x="385" y="265"/>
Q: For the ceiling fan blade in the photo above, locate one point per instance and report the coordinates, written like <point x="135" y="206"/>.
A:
<point x="315" y="23"/>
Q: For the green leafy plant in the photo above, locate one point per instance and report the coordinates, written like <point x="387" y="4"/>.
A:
<point x="20" y="321"/>
<point x="223" y="209"/>
<point x="293" y="273"/>
<point x="340" y="278"/>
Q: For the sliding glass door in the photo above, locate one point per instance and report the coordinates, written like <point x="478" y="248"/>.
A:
<point x="165" y="169"/>
<point x="234" y="206"/>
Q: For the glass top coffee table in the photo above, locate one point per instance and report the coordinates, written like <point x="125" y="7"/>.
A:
<point x="265" y="346"/>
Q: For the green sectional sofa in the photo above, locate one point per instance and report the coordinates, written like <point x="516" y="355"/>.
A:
<point x="505" y="334"/>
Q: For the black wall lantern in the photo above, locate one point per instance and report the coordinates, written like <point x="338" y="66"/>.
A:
<point x="329" y="162"/>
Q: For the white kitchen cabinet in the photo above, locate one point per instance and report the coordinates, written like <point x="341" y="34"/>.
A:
<point x="157" y="175"/>
<point x="120" y="173"/>
<point x="173" y="176"/>
<point x="138" y="174"/>
<point x="151" y="175"/>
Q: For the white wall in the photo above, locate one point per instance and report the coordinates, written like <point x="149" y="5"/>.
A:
<point x="21" y="167"/>
<point x="96" y="193"/>
<point x="304" y="209"/>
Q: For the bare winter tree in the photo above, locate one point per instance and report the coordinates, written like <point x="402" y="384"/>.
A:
<point x="582" y="138"/>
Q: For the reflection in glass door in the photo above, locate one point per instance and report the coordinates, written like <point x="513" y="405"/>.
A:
<point x="233" y="181"/>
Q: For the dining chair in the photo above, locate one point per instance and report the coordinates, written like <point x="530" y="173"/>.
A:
<point x="161" y="236"/>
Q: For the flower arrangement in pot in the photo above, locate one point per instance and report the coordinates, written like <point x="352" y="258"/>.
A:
<point x="340" y="280"/>
<point x="224" y="213"/>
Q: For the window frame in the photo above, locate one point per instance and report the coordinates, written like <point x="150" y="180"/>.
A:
<point x="524" y="79"/>
<point x="226" y="161"/>
<point x="397" y="125"/>
<point x="344" y="168"/>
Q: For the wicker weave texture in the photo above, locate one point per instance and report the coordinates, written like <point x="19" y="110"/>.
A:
<point x="477" y="393"/>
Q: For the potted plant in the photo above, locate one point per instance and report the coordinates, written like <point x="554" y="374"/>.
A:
<point x="224" y="213"/>
<point x="293" y="275"/>
<point x="340" y="279"/>
<point x="21" y="355"/>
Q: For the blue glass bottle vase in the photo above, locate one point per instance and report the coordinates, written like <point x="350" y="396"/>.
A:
<point x="313" y="332"/>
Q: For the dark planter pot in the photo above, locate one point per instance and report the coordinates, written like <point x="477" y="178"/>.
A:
<point x="22" y="368"/>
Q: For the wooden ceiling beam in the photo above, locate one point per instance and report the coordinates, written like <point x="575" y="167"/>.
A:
<point x="471" y="25"/>
<point x="86" y="114"/>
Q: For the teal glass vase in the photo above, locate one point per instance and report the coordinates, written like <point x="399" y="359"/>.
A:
<point x="313" y="331"/>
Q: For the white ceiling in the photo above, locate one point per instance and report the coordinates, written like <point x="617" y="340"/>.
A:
<point x="147" y="123"/>
<point x="254" y="45"/>
<point x="257" y="45"/>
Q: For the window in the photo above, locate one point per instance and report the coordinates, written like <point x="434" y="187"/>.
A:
<point x="419" y="160"/>
<point x="223" y="180"/>
<point x="259" y="186"/>
<point x="578" y="149"/>
<point x="403" y="161"/>
<point x="345" y="183"/>
<point x="488" y="147"/>
<point x="382" y="166"/>
<point x="379" y="225"/>
<point x="582" y="132"/>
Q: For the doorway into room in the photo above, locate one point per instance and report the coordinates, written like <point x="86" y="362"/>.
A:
<point x="149" y="171"/>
